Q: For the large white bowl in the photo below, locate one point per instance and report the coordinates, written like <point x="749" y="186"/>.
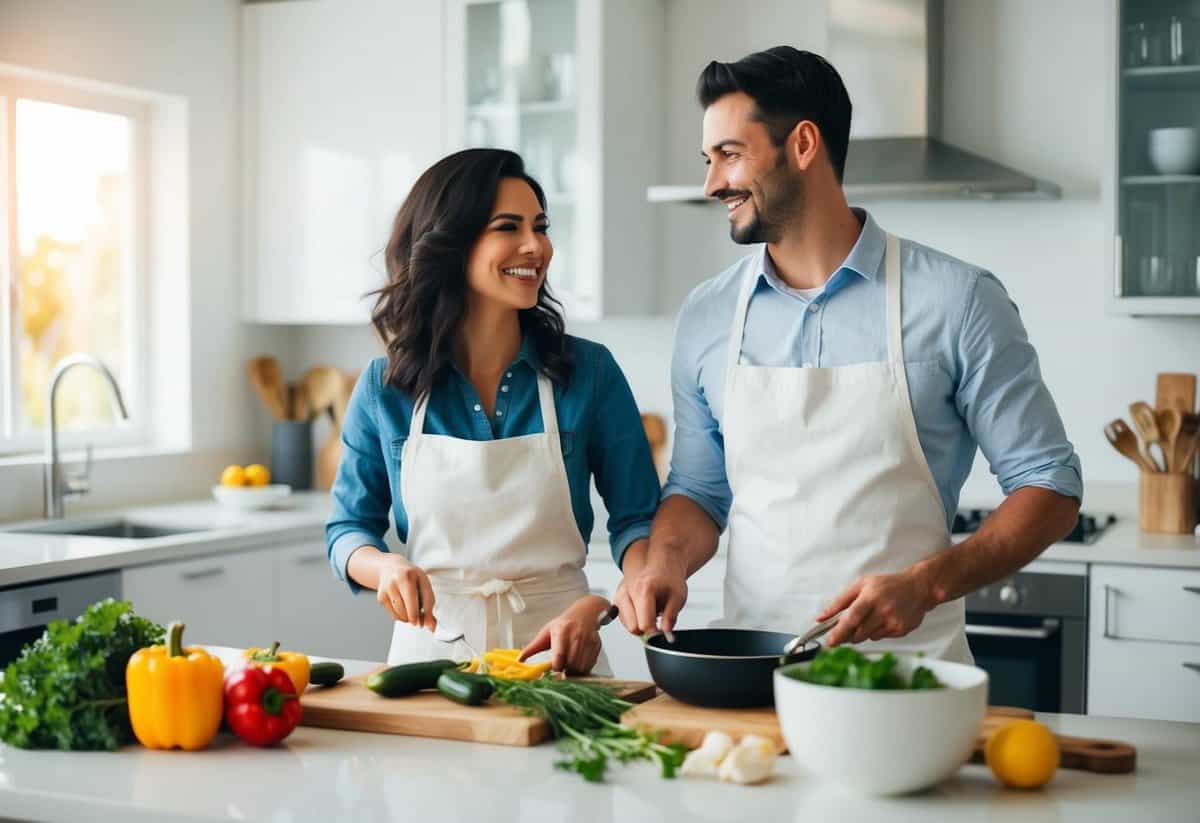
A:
<point x="251" y="497"/>
<point x="883" y="742"/>
<point x="1175" y="150"/>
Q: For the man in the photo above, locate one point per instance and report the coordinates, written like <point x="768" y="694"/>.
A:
<point x="830" y="390"/>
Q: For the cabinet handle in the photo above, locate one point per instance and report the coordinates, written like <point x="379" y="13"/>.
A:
<point x="1108" y="592"/>
<point x="1192" y="589"/>
<point x="1193" y="666"/>
<point x="1049" y="629"/>
<point x="1118" y="266"/>
<point x="310" y="560"/>
<point x="200" y="574"/>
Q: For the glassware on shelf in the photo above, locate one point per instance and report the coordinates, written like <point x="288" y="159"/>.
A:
<point x="1137" y="45"/>
<point x="1178" y="35"/>
<point x="1156" y="275"/>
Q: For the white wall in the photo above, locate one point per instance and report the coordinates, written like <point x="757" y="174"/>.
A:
<point x="187" y="48"/>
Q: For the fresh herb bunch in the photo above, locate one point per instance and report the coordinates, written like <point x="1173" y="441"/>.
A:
<point x="67" y="689"/>
<point x="843" y="666"/>
<point x="586" y="718"/>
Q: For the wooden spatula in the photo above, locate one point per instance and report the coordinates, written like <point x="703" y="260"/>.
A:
<point x="1175" y="391"/>
<point x="267" y="380"/>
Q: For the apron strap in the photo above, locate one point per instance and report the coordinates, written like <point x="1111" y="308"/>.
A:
<point x="892" y="276"/>
<point x="738" y="330"/>
<point x="417" y="425"/>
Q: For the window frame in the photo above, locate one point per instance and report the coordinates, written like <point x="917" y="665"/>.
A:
<point x="137" y="430"/>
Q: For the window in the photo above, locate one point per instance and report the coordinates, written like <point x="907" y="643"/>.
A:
<point x="70" y="272"/>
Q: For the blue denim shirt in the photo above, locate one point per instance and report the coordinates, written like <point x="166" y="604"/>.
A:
<point x="599" y="421"/>
<point x="973" y="375"/>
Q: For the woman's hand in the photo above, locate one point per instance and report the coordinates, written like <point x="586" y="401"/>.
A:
<point x="405" y="591"/>
<point x="572" y="637"/>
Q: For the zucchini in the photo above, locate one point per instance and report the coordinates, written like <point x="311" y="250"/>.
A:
<point x="409" y="678"/>
<point x="326" y="673"/>
<point x="468" y="689"/>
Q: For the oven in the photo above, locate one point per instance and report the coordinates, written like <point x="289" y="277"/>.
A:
<point x="1029" y="631"/>
<point x="26" y="610"/>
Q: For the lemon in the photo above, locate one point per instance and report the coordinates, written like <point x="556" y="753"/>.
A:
<point x="257" y="475"/>
<point x="233" y="476"/>
<point x="1022" y="754"/>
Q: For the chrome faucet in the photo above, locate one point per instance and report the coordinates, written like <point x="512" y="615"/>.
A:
<point x="58" y="488"/>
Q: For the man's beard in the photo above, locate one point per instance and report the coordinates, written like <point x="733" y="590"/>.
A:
<point x="782" y="202"/>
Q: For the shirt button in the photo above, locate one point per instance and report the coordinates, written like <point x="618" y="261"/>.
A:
<point x="499" y="413"/>
<point x="478" y="407"/>
<point x="504" y="388"/>
<point x="814" y="308"/>
<point x="508" y="375"/>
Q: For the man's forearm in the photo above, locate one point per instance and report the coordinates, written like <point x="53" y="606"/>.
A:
<point x="1025" y="524"/>
<point x="682" y="537"/>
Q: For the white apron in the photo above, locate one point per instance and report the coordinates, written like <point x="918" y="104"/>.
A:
<point x="491" y="523"/>
<point x="829" y="484"/>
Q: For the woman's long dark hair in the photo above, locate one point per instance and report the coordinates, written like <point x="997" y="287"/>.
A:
<point x="420" y="310"/>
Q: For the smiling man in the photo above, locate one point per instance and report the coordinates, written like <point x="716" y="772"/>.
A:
<point x="830" y="391"/>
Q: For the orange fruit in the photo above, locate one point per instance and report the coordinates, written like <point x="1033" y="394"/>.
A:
<point x="1023" y="754"/>
<point x="233" y="476"/>
<point x="257" y="475"/>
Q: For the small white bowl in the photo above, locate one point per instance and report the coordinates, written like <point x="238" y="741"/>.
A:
<point x="883" y="742"/>
<point x="251" y="497"/>
<point x="1175" y="150"/>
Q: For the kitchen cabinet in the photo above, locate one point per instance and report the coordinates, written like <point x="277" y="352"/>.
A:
<point x="1156" y="254"/>
<point x="1144" y="643"/>
<point x="574" y="87"/>
<point x="342" y="108"/>
<point x="223" y="599"/>
<point x="316" y="613"/>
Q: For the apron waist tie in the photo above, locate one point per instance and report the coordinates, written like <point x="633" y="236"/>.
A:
<point x="508" y="593"/>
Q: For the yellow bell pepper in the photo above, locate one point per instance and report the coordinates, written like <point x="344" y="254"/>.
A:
<point x="295" y="664"/>
<point x="175" y="694"/>
<point x="503" y="663"/>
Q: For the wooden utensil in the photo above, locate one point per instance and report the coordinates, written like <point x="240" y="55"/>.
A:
<point x="267" y="380"/>
<point x="300" y="407"/>
<point x="329" y="390"/>
<point x="351" y="705"/>
<point x="1125" y="441"/>
<point x="1188" y="440"/>
<point x="1170" y="423"/>
<point x="1175" y="391"/>
<point x="1146" y="424"/>
<point x="681" y="723"/>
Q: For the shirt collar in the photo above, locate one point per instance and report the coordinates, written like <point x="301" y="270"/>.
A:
<point x="528" y="353"/>
<point x="864" y="259"/>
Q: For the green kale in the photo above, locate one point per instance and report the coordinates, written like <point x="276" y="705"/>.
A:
<point x="67" y="689"/>
<point x="845" y="667"/>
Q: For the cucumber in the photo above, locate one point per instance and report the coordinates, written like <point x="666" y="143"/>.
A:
<point x="409" y="678"/>
<point x="325" y="674"/>
<point x="468" y="689"/>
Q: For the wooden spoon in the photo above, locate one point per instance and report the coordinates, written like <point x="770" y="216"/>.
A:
<point x="300" y="406"/>
<point x="267" y="380"/>
<point x="1185" y="443"/>
<point x="1146" y="424"/>
<point x="1126" y="442"/>
<point x="1170" y="422"/>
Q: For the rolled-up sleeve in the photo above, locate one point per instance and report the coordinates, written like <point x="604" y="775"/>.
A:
<point x="361" y="494"/>
<point x="1005" y="402"/>
<point x="698" y="456"/>
<point x="620" y="459"/>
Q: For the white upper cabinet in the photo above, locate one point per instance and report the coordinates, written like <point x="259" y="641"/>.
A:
<point x="343" y="108"/>
<point x="574" y="86"/>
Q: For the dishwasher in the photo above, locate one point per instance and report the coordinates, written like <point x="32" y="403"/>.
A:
<point x="26" y="609"/>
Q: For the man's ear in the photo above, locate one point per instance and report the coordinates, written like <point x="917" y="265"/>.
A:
<point x="803" y="144"/>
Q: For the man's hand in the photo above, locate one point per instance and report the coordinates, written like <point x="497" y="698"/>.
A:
<point x="405" y="591"/>
<point x="653" y="589"/>
<point x="573" y="637"/>
<point x="880" y="606"/>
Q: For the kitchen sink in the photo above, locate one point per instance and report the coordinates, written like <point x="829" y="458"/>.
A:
<point x="119" y="528"/>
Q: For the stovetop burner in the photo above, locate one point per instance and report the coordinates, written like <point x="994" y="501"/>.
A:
<point x="1087" y="530"/>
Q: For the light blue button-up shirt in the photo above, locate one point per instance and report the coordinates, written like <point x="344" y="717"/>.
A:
<point x="973" y="375"/>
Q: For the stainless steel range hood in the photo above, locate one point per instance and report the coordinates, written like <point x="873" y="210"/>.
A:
<point x="889" y="54"/>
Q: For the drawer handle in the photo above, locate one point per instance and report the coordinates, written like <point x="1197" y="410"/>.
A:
<point x="1109" y="591"/>
<point x="1049" y="629"/>
<point x="311" y="560"/>
<point x="1192" y="589"/>
<point x="200" y="574"/>
<point x="1193" y="666"/>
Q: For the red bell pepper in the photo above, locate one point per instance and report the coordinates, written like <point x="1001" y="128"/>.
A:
<point x="261" y="705"/>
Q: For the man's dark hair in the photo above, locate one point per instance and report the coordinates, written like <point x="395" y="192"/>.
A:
<point x="788" y="85"/>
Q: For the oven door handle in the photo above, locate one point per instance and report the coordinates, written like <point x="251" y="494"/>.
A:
<point x="1048" y="629"/>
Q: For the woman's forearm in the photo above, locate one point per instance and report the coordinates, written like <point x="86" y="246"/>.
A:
<point x="364" y="566"/>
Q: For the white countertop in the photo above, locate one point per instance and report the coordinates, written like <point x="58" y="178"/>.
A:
<point x="323" y="775"/>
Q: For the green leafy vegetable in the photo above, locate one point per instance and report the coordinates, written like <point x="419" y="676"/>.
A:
<point x="845" y="667"/>
<point x="586" y="718"/>
<point x="67" y="689"/>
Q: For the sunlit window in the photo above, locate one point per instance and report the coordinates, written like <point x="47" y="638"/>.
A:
<point x="71" y="261"/>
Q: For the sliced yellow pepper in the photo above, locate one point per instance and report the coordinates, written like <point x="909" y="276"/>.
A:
<point x="503" y="663"/>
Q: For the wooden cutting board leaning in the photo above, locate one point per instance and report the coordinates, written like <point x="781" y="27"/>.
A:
<point x="681" y="723"/>
<point x="351" y="706"/>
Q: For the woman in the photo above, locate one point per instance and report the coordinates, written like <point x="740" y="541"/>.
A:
<point x="481" y="429"/>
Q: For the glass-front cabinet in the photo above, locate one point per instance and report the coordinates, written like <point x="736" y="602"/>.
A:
<point x="1157" y="250"/>
<point x="528" y="75"/>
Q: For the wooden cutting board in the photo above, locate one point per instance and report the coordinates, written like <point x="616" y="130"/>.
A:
<point x="352" y="706"/>
<point x="681" y="723"/>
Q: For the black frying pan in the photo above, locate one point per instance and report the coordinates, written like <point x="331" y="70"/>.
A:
<point x="721" y="668"/>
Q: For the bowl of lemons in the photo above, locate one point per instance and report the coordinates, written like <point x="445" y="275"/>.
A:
<point x="249" y="488"/>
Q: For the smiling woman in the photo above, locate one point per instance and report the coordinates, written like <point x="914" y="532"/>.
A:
<point x="482" y="430"/>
